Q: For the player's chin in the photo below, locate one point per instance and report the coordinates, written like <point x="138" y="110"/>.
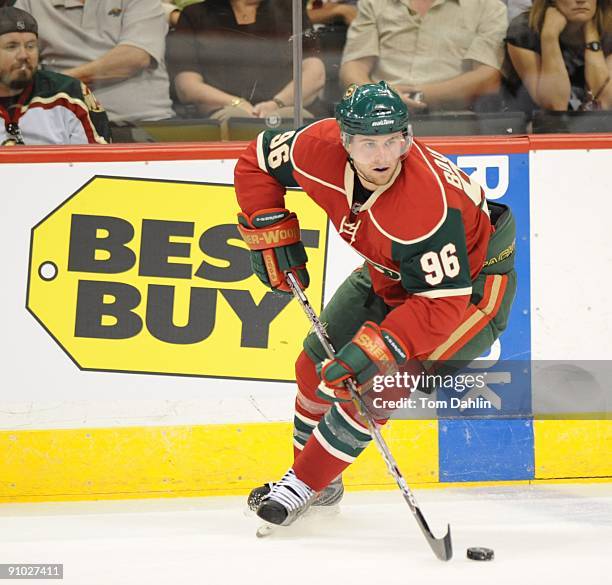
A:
<point x="380" y="175"/>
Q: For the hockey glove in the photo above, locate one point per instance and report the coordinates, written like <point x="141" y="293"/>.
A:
<point x="273" y="235"/>
<point x="372" y="351"/>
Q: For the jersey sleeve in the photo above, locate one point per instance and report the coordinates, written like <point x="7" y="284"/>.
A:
<point x="264" y="171"/>
<point x="436" y="274"/>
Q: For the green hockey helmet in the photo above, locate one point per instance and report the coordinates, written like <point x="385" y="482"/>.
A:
<point x="370" y="109"/>
<point x="374" y="109"/>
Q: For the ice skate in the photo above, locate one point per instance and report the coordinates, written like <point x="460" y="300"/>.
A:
<point x="331" y="494"/>
<point x="288" y="499"/>
<point x="328" y="496"/>
<point x="257" y="495"/>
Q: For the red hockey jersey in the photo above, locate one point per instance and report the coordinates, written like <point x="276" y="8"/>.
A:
<point x="424" y="234"/>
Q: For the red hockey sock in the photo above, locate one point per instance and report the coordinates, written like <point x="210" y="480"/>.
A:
<point x="309" y="408"/>
<point x="316" y="467"/>
<point x="336" y="442"/>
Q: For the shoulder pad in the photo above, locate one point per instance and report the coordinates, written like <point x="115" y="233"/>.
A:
<point x="317" y="153"/>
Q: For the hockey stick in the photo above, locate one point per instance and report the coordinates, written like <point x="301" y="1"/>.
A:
<point x="442" y="547"/>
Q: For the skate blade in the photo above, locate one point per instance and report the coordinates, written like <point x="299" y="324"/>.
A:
<point x="265" y="530"/>
<point x="332" y="510"/>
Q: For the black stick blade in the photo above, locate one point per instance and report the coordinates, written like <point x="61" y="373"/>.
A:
<point x="442" y="547"/>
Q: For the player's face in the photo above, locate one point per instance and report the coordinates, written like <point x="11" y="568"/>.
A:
<point x="377" y="157"/>
<point x="18" y="60"/>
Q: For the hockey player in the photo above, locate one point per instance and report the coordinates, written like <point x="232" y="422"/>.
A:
<point x="437" y="283"/>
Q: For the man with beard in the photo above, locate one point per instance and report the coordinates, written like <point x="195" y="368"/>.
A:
<point x="41" y="107"/>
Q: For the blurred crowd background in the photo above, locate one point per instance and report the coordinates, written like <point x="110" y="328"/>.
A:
<point x="223" y="69"/>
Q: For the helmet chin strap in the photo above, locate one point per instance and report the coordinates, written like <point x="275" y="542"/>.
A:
<point x="356" y="170"/>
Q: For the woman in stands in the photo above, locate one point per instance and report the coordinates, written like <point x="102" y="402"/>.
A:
<point x="233" y="58"/>
<point x="559" y="56"/>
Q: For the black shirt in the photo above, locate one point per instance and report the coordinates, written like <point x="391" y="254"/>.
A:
<point x="253" y="61"/>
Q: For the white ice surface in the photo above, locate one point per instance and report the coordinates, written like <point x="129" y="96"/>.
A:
<point x="557" y="534"/>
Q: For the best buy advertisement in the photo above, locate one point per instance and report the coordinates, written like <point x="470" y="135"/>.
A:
<point x="151" y="276"/>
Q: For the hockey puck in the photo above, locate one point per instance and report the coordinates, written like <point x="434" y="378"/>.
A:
<point x="478" y="553"/>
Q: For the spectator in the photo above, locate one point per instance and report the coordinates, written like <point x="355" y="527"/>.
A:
<point x="233" y="58"/>
<point x="439" y="54"/>
<point x="331" y="19"/>
<point x="41" y="107"/>
<point x="116" y="47"/>
<point x="559" y="56"/>
<point x="331" y="12"/>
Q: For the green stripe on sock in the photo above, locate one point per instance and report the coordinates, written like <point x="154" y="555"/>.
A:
<point x="300" y="438"/>
<point x="336" y="420"/>
<point x="301" y="426"/>
<point x="301" y="430"/>
<point x="339" y="437"/>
